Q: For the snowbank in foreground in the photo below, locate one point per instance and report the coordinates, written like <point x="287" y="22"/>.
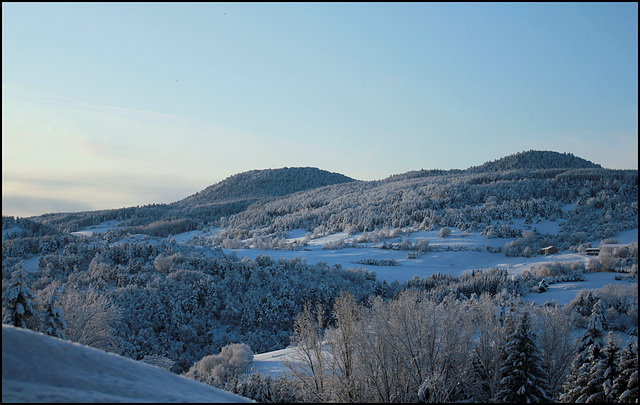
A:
<point x="39" y="368"/>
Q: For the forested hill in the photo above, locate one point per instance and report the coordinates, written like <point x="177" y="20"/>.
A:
<point x="255" y="184"/>
<point x="589" y="201"/>
<point x="258" y="184"/>
<point x="536" y="159"/>
<point x="227" y="197"/>
<point x="525" y="185"/>
<point x="527" y="161"/>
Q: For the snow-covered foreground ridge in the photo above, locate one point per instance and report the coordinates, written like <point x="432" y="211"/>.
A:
<point x="39" y="368"/>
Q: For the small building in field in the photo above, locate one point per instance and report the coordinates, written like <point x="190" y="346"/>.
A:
<point x="593" y="251"/>
<point x="549" y="250"/>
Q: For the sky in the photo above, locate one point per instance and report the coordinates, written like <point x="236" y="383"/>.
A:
<point x="110" y="105"/>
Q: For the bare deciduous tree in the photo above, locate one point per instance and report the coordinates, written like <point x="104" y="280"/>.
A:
<point x="91" y="318"/>
<point x="309" y="363"/>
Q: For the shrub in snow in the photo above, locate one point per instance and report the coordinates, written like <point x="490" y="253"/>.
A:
<point x="445" y="232"/>
<point x="412" y="255"/>
<point x="338" y="244"/>
<point x="218" y="369"/>
<point x="378" y="262"/>
<point x="266" y="389"/>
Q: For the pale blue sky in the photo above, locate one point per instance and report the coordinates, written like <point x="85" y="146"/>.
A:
<point x="113" y="105"/>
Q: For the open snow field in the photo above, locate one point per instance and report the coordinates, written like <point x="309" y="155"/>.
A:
<point x="103" y="227"/>
<point x="453" y="255"/>
<point x="40" y="368"/>
<point x="563" y="293"/>
<point x="270" y="363"/>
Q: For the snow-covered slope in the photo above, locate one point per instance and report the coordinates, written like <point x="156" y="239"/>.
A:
<point x="39" y="368"/>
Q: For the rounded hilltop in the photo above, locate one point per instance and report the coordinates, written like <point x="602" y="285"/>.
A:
<point x="257" y="184"/>
<point x="536" y="159"/>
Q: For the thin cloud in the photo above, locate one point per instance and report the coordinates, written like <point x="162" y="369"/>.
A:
<point x="24" y="206"/>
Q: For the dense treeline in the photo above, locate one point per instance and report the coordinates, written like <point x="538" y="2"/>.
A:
<point x="179" y="303"/>
<point x="14" y="228"/>
<point x="417" y="349"/>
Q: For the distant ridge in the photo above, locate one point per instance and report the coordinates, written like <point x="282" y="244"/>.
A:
<point x="536" y="159"/>
<point x="307" y="197"/>
<point x="527" y="160"/>
<point x="257" y="184"/>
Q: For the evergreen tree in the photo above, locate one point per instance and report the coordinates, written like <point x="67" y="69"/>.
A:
<point x="480" y="388"/>
<point x="524" y="378"/>
<point x="603" y="372"/>
<point x="625" y="385"/>
<point x="17" y="300"/>
<point x="588" y="352"/>
<point x="54" y="323"/>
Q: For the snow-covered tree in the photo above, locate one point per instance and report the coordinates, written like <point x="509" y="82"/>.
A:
<point x="54" y="323"/>
<point x="524" y="378"/>
<point x="17" y="300"/>
<point x="625" y="385"/>
<point x="91" y="318"/>
<point x="588" y="351"/>
<point x="584" y="302"/>
<point x="342" y="349"/>
<point x="445" y="232"/>
<point x="554" y="328"/>
<point x="309" y="363"/>
<point x="445" y="379"/>
<point x="484" y="381"/>
<point x="543" y="286"/>
<point x="220" y="369"/>
<point x="605" y="372"/>
<point x="378" y="365"/>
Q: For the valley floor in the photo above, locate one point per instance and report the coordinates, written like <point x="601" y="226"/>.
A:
<point x="454" y="255"/>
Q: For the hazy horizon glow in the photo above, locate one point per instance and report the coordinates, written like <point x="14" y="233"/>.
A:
<point x="107" y="105"/>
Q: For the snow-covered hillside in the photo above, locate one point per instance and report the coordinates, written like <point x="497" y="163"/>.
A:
<point x="39" y="368"/>
<point x="188" y="279"/>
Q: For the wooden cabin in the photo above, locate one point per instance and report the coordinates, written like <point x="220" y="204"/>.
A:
<point x="593" y="251"/>
<point x="549" y="250"/>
